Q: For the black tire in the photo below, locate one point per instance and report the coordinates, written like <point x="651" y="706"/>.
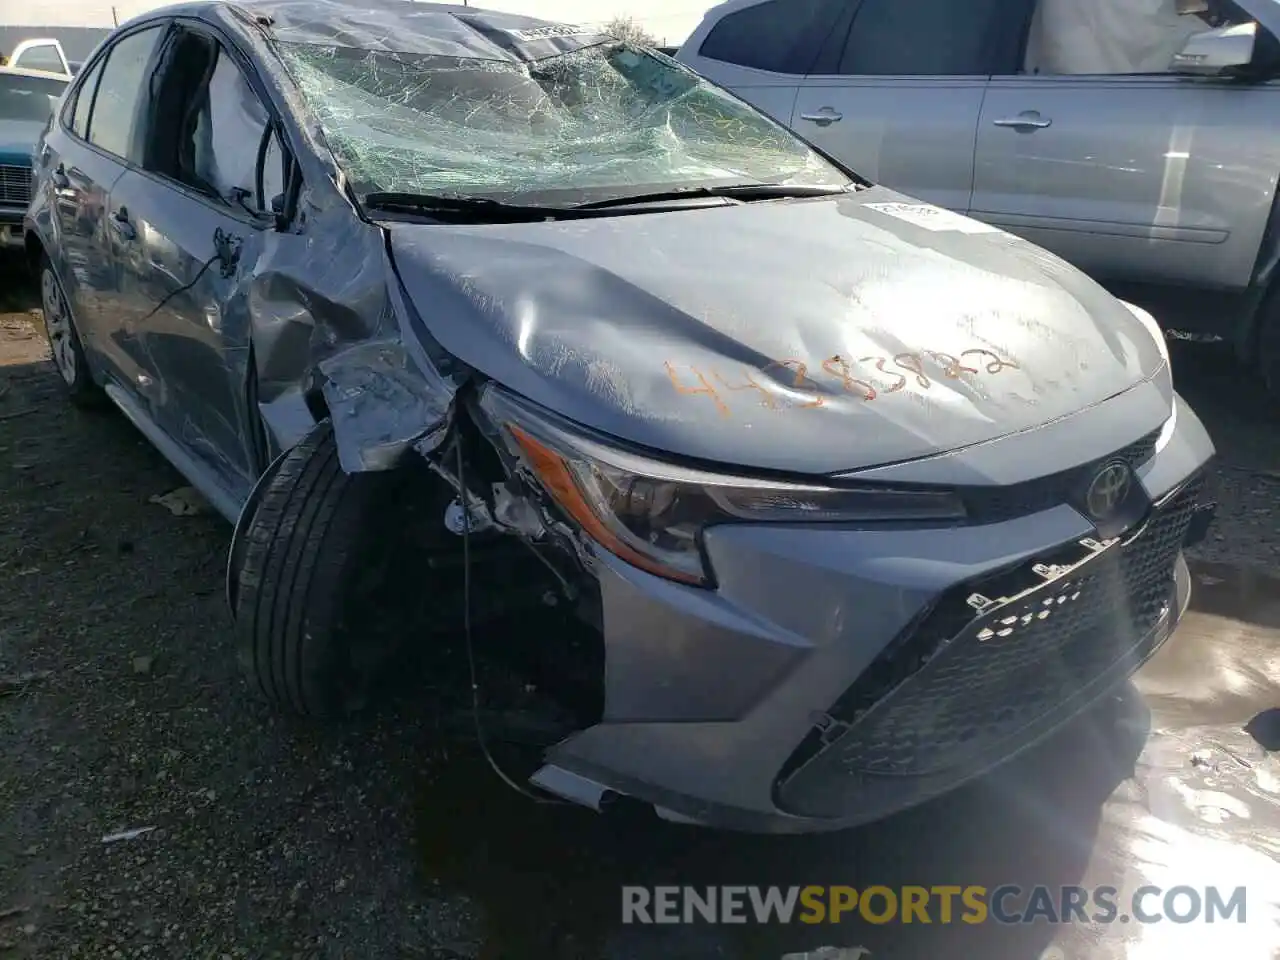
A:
<point x="1267" y="347"/>
<point x="65" y="346"/>
<point x="316" y="601"/>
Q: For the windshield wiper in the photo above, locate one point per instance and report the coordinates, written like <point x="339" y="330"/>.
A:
<point x="733" y="191"/>
<point x="470" y="208"/>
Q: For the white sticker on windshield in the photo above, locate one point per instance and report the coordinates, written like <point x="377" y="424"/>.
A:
<point x="932" y="218"/>
<point x="551" y="32"/>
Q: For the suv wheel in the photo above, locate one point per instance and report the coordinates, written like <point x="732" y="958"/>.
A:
<point x="1267" y="347"/>
<point x="64" y="339"/>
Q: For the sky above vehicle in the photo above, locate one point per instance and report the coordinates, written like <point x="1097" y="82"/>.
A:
<point x="668" y="20"/>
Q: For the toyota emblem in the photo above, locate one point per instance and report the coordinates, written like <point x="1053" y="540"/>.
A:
<point x="1108" y="490"/>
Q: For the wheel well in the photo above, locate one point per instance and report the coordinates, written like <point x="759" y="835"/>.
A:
<point x="33" y="249"/>
<point x="1263" y="289"/>
<point x="1248" y="340"/>
<point x="558" y="646"/>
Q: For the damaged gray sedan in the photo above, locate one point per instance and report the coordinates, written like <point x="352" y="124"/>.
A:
<point x="857" y="497"/>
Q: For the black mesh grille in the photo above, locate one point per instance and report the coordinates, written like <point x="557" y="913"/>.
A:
<point x="960" y="682"/>
<point x="992" y="504"/>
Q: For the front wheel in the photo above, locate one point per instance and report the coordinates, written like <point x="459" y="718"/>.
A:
<point x="317" y="601"/>
<point x="64" y="340"/>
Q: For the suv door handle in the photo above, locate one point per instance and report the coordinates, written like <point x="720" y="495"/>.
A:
<point x="824" y="117"/>
<point x="1025" y="122"/>
<point x="60" y="178"/>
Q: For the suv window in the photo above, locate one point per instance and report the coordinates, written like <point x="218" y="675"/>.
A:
<point x="119" y="90"/>
<point x="43" y="56"/>
<point x="778" y="35"/>
<point x="928" y="38"/>
<point x="83" y="101"/>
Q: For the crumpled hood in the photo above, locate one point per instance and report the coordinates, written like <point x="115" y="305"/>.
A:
<point x="18" y="140"/>
<point x="811" y="336"/>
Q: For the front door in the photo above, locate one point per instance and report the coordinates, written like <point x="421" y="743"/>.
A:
<point x="197" y="210"/>
<point x="1150" y="177"/>
<point x="897" y="98"/>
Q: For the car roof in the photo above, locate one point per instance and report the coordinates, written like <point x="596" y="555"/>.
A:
<point x="28" y="72"/>
<point x="397" y="26"/>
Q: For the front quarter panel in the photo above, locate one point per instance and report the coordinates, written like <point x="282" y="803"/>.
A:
<point x="39" y="222"/>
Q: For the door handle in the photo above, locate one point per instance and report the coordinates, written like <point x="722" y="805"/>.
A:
<point x="824" y="117"/>
<point x="1025" y="122"/>
<point x="122" y="225"/>
<point x="60" y="178"/>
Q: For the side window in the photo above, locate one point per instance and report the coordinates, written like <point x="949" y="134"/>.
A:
<point x="208" y="129"/>
<point x="781" y="36"/>
<point x="119" y="89"/>
<point x="83" y="101"/>
<point x="227" y="136"/>
<point x="928" y="38"/>
<point x="42" y="56"/>
<point x="1115" y="38"/>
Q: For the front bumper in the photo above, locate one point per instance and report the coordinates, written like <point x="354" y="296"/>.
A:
<point x="838" y="676"/>
<point x="11" y="227"/>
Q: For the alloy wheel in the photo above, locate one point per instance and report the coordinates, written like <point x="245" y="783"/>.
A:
<point x="57" y="323"/>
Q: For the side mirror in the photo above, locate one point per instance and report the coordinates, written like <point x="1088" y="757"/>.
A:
<point x="1213" y="51"/>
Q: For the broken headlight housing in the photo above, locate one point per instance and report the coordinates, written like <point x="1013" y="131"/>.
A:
<point x="652" y="514"/>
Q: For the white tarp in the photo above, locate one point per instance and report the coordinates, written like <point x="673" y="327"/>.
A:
<point x="1107" y="36"/>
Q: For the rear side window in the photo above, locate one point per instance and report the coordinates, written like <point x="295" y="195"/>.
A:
<point x="43" y="56"/>
<point x="120" y="87"/>
<point x="781" y="36"/>
<point x="84" y="101"/>
<point x="929" y="38"/>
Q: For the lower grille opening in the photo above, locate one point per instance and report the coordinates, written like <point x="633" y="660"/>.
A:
<point x="966" y="679"/>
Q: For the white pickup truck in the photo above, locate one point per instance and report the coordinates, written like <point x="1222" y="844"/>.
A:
<point x="44" y="53"/>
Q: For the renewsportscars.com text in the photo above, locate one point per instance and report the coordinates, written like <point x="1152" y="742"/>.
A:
<point x="1008" y="904"/>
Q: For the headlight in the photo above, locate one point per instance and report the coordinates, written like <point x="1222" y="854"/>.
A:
<point x="1148" y="321"/>
<point x="652" y="514"/>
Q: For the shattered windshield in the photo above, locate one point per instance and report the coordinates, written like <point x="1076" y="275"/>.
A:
<point x="606" y="120"/>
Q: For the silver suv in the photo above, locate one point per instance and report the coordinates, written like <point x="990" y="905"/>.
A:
<point x="1137" y="139"/>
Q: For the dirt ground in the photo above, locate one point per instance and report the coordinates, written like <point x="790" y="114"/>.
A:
<point x="121" y="709"/>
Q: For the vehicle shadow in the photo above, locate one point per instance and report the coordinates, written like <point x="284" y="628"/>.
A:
<point x="550" y="878"/>
<point x="1231" y="404"/>
<point x="18" y="290"/>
